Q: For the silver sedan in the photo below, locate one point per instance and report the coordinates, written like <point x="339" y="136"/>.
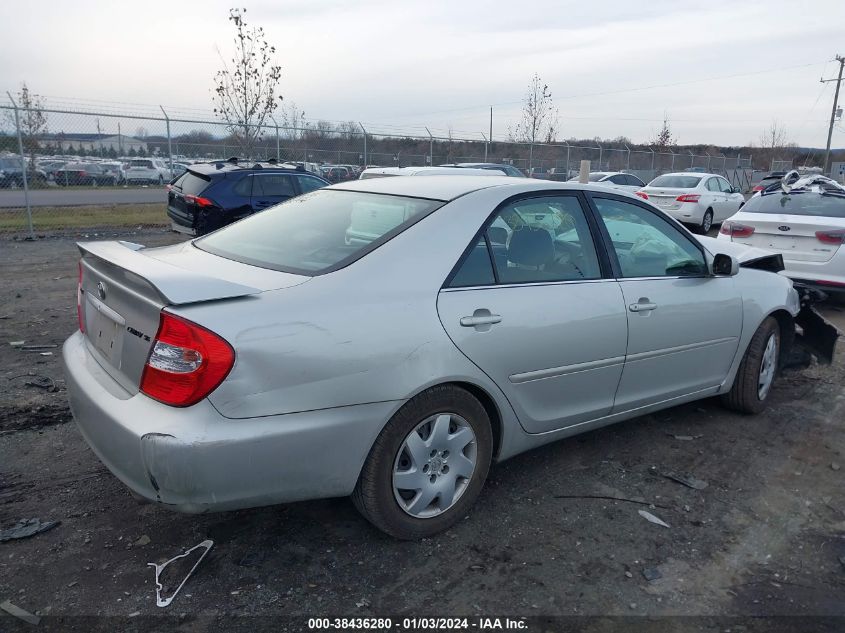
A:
<point x="388" y="339"/>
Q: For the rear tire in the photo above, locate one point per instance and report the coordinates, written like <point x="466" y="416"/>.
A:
<point x="451" y="493"/>
<point x="706" y="223"/>
<point x="757" y="371"/>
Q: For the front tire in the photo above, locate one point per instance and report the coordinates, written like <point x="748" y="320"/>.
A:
<point x="427" y="466"/>
<point x="757" y="371"/>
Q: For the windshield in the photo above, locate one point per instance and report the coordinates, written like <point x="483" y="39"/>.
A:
<point x="317" y="232"/>
<point x="675" y="182"/>
<point x="798" y="203"/>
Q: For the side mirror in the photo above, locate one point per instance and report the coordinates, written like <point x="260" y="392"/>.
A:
<point x="724" y="265"/>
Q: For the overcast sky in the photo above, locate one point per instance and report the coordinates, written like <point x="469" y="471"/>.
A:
<point x="731" y="66"/>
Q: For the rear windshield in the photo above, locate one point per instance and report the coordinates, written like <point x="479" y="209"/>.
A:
<point x="191" y="184"/>
<point x="140" y="163"/>
<point x="675" y="182"/>
<point x="594" y="177"/>
<point x="798" y="203"/>
<point x="318" y="232"/>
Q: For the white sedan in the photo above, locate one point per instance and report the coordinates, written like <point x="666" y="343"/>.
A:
<point x="614" y="179"/>
<point x="805" y="223"/>
<point x="698" y="200"/>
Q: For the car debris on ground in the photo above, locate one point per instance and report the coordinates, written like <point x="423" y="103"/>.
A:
<point x="26" y="528"/>
<point x="19" y="613"/>
<point x="163" y="602"/>
<point x="648" y="516"/>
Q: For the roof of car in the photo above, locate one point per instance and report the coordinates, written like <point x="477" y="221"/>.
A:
<point x="222" y="166"/>
<point x="453" y="186"/>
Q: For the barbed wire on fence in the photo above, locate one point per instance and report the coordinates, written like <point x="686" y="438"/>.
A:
<point x="30" y="159"/>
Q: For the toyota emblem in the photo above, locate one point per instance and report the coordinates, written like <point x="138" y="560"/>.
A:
<point x="101" y="290"/>
<point x="783" y="227"/>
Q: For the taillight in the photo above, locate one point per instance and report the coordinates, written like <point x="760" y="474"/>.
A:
<point x="187" y="362"/>
<point x="79" y="300"/>
<point x="758" y="188"/>
<point x="734" y="229"/>
<point x="200" y="202"/>
<point x="688" y="197"/>
<point x="831" y="237"/>
<point x="641" y="194"/>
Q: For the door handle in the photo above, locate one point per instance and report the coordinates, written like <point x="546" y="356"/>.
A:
<point x="642" y="306"/>
<point x="472" y="321"/>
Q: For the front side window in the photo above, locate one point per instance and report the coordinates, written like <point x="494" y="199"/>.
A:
<point x="309" y="183"/>
<point x="648" y="245"/>
<point x="317" y="232"/>
<point x="634" y="181"/>
<point x="535" y="240"/>
<point x="725" y="186"/>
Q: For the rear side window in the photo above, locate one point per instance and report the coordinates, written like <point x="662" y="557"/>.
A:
<point x="533" y="240"/>
<point x="798" y="203"/>
<point x="272" y="185"/>
<point x="318" y="232"/>
<point x="191" y="183"/>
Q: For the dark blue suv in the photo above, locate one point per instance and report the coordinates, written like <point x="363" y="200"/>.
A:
<point x="211" y="195"/>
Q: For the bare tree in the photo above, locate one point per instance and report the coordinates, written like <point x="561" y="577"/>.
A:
<point x="33" y="121"/>
<point x="245" y="91"/>
<point x="773" y="137"/>
<point x="293" y="119"/>
<point x="664" y="139"/>
<point x="539" y="119"/>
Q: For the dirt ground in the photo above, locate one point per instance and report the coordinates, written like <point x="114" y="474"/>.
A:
<point x="766" y="537"/>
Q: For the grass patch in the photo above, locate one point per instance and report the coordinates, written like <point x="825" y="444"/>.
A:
<point x="99" y="216"/>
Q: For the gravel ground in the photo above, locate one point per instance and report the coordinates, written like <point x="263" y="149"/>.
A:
<point x="764" y="538"/>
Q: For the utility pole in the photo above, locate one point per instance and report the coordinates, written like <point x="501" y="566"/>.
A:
<point x="838" y="81"/>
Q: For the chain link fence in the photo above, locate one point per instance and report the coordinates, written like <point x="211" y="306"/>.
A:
<point x="63" y="169"/>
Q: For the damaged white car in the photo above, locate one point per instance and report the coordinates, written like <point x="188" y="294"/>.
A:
<point x="388" y="339"/>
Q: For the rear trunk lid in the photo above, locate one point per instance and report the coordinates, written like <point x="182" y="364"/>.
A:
<point x="125" y="286"/>
<point x="665" y="198"/>
<point x="793" y="236"/>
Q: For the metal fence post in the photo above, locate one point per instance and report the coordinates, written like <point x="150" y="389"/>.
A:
<point x="672" y="168"/>
<point x="430" y="148"/>
<point x="365" y="142"/>
<point x="169" y="146"/>
<point x="485" y="146"/>
<point x="652" y="158"/>
<point x="628" y="163"/>
<point x="23" y="168"/>
<point x="278" y="149"/>
<point x="601" y="149"/>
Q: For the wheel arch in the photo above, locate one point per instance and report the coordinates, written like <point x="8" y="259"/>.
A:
<point x="490" y="407"/>
<point x="786" y="324"/>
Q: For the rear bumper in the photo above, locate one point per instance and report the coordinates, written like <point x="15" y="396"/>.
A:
<point x="687" y="213"/>
<point x="195" y="460"/>
<point x="828" y="276"/>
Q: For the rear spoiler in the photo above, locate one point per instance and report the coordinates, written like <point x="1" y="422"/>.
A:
<point x="174" y="285"/>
